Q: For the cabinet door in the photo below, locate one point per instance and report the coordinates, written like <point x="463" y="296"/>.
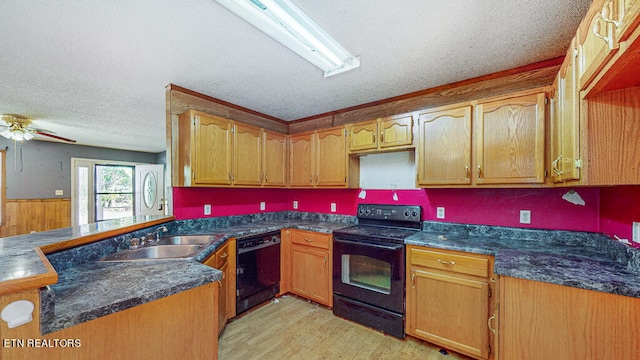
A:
<point x="212" y="150"/>
<point x="310" y="273"/>
<point x="510" y="140"/>
<point x="395" y="132"/>
<point x="449" y="311"/>
<point x="301" y="161"/>
<point x="567" y="167"/>
<point x="363" y="136"/>
<point x="275" y="159"/>
<point x="331" y="158"/>
<point x="444" y="147"/>
<point x="626" y="19"/>
<point x="596" y="42"/>
<point x="223" y="297"/>
<point x="247" y="149"/>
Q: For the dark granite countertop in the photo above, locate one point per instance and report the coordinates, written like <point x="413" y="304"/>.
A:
<point x="87" y="289"/>
<point x="577" y="259"/>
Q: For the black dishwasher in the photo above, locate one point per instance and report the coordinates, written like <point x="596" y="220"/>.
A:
<point x="258" y="269"/>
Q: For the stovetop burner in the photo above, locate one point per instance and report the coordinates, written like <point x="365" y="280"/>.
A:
<point x="384" y="223"/>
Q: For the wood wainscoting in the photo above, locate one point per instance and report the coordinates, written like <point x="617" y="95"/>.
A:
<point x="23" y="216"/>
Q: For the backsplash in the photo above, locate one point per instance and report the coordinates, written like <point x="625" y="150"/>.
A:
<point x="607" y="210"/>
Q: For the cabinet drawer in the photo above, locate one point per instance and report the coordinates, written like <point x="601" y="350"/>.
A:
<point x="311" y="239"/>
<point x="462" y="264"/>
<point x="222" y="256"/>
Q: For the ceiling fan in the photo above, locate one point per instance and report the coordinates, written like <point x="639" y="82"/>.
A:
<point x="17" y="127"/>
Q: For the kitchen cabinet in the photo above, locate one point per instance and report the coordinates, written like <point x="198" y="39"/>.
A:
<point x="224" y="259"/>
<point x="547" y="321"/>
<point x="510" y="140"/>
<point x="596" y="40"/>
<point x="274" y="163"/>
<point x="385" y="134"/>
<point x="443" y="152"/>
<point x="310" y="262"/>
<point x="205" y="150"/>
<point x="320" y="159"/>
<point x="214" y="151"/>
<point x="565" y="121"/>
<point x="449" y="300"/>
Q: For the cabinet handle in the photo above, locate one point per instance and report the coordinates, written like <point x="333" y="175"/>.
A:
<point x="220" y="284"/>
<point x="224" y="256"/>
<point x="466" y="172"/>
<point x="413" y="280"/>
<point x="597" y="27"/>
<point x="382" y="137"/>
<point x="317" y="178"/>
<point x="606" y="11"/>
<point x="266" y="178"/>
<point x="446" y="262"/>
<point x="489" y="323"/>
<point x="260" y="177"/>
<point x="325" y="261"/>
<point x="479" y="172"/>
<point x="554" y="165"/>
<point x="310" y="179"/>
<point x="308" y="240"/>
<point x="229" y="173"/>
<point x="374" y="138"/>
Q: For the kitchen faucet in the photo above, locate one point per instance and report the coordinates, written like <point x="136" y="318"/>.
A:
<point x="154" y="236"/>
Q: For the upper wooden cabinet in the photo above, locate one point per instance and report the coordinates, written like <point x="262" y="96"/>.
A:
<point x="247" y="150"/>
<point x="443" y="152"/>
<point x="206" y="153"/>
<point x="565" y="121"/>
<point x="274" y="163"/>
<point x="596" y="40"/>
<point x="510" y="138"/>
<point x="320" y="159"/>
<point x="384" y="134"/>
<point x="214" y="151"/>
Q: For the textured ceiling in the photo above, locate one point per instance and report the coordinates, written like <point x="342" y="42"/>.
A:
<point x="96" y="71"/>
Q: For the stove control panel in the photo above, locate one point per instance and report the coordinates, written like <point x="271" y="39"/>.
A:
<point x="412" y="213"/>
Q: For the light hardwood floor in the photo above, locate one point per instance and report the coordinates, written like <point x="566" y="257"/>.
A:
<point x="294" y="328"/>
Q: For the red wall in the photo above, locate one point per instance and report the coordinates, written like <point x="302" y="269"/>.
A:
<point x="619" y="207"/>
<point x="473" y="206"/>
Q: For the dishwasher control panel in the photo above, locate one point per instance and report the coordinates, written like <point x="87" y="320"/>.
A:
<point x="258" y="241"/>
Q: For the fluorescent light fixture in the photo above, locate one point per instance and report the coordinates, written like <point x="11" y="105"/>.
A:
<point x="287" y="24"/>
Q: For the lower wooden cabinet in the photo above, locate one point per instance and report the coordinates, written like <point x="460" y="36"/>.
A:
<point x="449" y="300"/>
<point x="548" y="321"/>
<point x="308" y="258"/>
<point x="224" y="259"/>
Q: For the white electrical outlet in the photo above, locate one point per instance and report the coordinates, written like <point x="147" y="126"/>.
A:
<point x="207" y="209"/>
<point x="525" y="216"/>
<point x="636" y="232"/>
<point x="295" y="204"/>
<point x="263" y="205"/>
<point x="59" y="192"/>
<point x="333" y="207"/>
<point x="440" y="212"/>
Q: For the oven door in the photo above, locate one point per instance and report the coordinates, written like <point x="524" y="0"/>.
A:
<point x="371" y="273"/>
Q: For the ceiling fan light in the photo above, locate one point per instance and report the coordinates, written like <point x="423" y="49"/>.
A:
<point x="290" y="26"/>
<point x="27" y="135"/>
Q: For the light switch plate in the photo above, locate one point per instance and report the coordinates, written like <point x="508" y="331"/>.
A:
<point x="333" y="207"/>
<point x="440" y="212"/>
<point x="207" y="209"/>
<point x="263" y="205"/>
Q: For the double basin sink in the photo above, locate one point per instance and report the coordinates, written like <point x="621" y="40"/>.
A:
<point x="168" y="247"/>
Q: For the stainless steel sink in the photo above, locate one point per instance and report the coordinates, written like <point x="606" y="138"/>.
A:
<point x="155" y="252"/>
<point x="186" y="239"/>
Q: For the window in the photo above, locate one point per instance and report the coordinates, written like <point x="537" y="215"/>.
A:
<point x="114" y="191"/>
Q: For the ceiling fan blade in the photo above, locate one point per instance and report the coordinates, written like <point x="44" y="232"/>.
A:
<point x="54" y="136"/>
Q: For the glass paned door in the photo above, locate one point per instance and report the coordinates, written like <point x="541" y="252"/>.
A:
<point x="114" y="191"/>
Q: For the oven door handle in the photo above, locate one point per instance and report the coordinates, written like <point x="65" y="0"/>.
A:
<point x="377" y="246"/>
